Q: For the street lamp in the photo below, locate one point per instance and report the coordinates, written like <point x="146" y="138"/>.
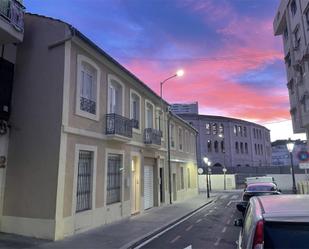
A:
<point x="209" y="174"/>
<point x="224" y="178"/>
<point x="179" y="73"/>
<point x="290" y="147"/>
<point x="205" y="159"/>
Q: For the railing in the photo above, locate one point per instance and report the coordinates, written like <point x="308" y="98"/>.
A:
<point x="152" y="136"/>
<point x="87" y="105"/>
<point x="118" y="125"/>
<point x="13" y="11"/>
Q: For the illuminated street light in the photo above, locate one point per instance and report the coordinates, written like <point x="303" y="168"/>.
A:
<point x="290" y="146"/>
<point x="206" y="161"/>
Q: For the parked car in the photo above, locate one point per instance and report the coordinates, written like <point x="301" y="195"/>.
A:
<point x="273" y="222"/>
<point x="257" y="189"/>
<point x="258" y="179"/>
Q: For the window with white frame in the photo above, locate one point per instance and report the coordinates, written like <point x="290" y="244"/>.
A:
<point x="207" y="126"/>
<point x="182" y="179"/>
<point x="135" y="112"/>
<point x="160" y="121"/>
<point x="149" y="109"/>
<point x="115" y="96"/>
<point x="180" y="138"/>
<point x="84" y="181"/>
<point x="87" y="87"/>
<point x="186" y="141"/>
<point x="172" y="135"/>
<point x="113" y="187"/>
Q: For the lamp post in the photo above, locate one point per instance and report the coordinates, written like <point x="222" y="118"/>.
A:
<point x="224" y="178"/>
<point x="209" y="174"/>
<point x="205" y="159"/>
<point x="290" y="147"/>
<point x="179" y="73"/>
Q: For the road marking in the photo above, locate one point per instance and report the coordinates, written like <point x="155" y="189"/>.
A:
<point x="189" y="228"/>
<point x="217" y="242"/>
<point x="205" y="215"/>
<point x="188" y="247"/>
<point x="210" y="211"/>
<point x="223" y="196"/>
<point x="233" y="197"/>
<point x="171" y="227"/>
<point x="229" y="203"/>
<point x="198" y="221"/>
<point x="228" y="222"/>
<point x="224" y="229"/>
<point x="175" y="239"/>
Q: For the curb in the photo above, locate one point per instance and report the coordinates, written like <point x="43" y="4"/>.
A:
<point x="143" y="238"/>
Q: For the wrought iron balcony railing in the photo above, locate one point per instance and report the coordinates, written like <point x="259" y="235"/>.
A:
<point x="152" y="136"/>
<point x="87" y="105"/>
<point x="13" y="12"/>
<point x="118" y="125"/>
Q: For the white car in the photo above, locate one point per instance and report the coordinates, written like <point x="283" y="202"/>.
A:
<point x="275" y="222"/>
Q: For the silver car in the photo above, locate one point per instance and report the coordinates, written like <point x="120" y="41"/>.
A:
<point x="279" y="221"/>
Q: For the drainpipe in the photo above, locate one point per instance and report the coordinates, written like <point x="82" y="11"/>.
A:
<point x="169" y="157"/>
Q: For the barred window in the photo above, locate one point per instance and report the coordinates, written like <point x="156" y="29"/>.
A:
<point x="113" y="178"/>
<point x="84" y="181"/>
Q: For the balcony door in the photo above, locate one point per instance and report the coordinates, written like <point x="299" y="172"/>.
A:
<point x="149" y="115"/>
<point x="115" y="97"/>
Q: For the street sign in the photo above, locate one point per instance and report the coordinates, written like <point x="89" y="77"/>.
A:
<point x="200" y="171"/>
<point x="303" y="156"/>
<point x="304" y="165"/>
<point x="224" y="170"/>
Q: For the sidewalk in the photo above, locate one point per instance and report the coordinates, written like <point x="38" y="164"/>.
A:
<point x="122" y="234"/>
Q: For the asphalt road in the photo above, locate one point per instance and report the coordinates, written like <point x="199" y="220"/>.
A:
<point x="212" y="227"/>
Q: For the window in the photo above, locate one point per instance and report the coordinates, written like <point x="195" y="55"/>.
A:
<point x="88" y="88"/>
<point x="255" y="148"/>
<point x="240" y="130"/>
<point x="235" y="130"/>
<point x="180" y="139"/>
<point x="254" y="135"/>
<point x="293" y="7"/>
<point x="307" y="17"/>
<point x="84" y="181"/>
<point x="214" y="129"/>
<point x="172" y="135"/>
<point x="242" y="148"/>
<point x="222" y="146"/>
<point x="186" y="141"/>
<point x="209" y="145"/>
<point x="207" y="126"/>
<point x="296" y="37"/>
<point x="149" y="109"/>
<point x="306" y="103"/>
<point x="261" y="149"/>
<point x="216" y="146"/>
<point x="245" y="131"/>
<point x="246" y="148"/>
<point x="287" y="59"/>
<point x="135" y="111"/>
<point x="236" y="147"/>
<point x="114" y="163"/>
<point x="115" y="102"/>
<point x="286" y="34"/>
<point x="221" y="129"/>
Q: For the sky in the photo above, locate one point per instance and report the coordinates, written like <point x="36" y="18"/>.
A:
<point x="232" y="61"/>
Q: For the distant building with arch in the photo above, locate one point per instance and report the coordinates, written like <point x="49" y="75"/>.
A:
<point x="229" y="142"/>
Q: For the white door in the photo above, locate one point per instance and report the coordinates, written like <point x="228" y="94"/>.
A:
<point x="148" y="187"/>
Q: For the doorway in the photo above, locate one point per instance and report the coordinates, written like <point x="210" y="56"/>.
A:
<point x="162" y="185"/>
<point x="174" y="187"/>
<point x="135" y="185"/>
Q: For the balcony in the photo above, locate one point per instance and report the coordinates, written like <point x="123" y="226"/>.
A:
<point x="118" y="127"/>
<point x="11" y="21"/>
<point x="152" y="137"/>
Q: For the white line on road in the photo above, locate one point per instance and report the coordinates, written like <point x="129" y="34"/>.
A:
<point x="188" y="247"/>
<point x="175" y="239"/>
<point x="205" y="215"/>
<point x="229" y="203"/>
<point x="224" y="229"/>
<point x="223" y="197"/>
<point x="210" y="211"/>
<point x="217" y="242"/>
<point x="198" y="221"/>
<point x="228" y="222"/>
<point x="234" y="197"/>
<point x="189" y="228"/>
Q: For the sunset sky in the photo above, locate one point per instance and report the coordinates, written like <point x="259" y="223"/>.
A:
<point x="233" y="64"/>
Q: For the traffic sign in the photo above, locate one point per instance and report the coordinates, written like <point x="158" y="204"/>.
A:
<point x="200" y="171"/>
<point x="304" y="165"/>
<point x="303" y="156"/>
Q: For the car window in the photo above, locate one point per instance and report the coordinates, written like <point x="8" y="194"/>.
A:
<point x="261" y="188"/>
<point x="286" y="235"/>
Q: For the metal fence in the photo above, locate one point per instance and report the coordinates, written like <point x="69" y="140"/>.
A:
<point x="13" y="11"/>
<point x="83" y="195"/>
<point x="152" y="136"/>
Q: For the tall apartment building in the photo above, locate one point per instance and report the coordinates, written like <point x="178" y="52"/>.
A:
<point x="181" y="108"/>
<point x="88" y="139"/>
<point x="292" y="22"/>
<point x="11" y="34"/>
